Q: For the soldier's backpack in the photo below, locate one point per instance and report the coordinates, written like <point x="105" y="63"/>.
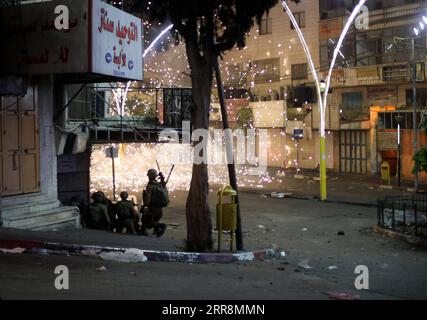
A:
<point x="160" y="197"/>
<point x="94" y="215"/>
<point x="123" y="210"/>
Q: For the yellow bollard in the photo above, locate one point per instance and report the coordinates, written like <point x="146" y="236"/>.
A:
<point x="226" y="215"/>
<point x="385" y="173"/>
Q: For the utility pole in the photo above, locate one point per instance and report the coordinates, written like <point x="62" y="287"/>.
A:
<point x="229" y="150"/>
<point x="323" y="188"/>
<point x="414" y="105"/>
<point x="399" y="119"/>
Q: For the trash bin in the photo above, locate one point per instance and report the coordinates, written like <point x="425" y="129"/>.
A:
<point x="226" y="214"/>
<point x="385" y="173"/>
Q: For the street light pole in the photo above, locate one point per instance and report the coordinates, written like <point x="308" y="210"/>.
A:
<point x="323" y="188"/>
<point x="399" y="119"/>
<point x="414" y="105"/>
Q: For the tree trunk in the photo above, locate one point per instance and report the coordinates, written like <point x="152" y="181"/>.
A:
<point x="199" y="224"/>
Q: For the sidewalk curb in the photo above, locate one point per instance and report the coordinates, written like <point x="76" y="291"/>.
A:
<point x="399" y="236"/>
<point x="39" y="247"/>
<point x="314" y="198"/>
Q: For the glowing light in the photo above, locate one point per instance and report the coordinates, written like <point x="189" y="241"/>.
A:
<point x="347" y="26"/>
<point x="135" y="159"/>
<point x="157" y="39"/>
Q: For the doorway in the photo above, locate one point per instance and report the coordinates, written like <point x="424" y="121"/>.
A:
<point x="19" y="144"/>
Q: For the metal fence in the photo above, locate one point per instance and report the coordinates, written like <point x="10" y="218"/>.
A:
<point x="406" y="214"/>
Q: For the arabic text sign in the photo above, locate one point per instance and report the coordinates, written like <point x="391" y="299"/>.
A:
<point x="35" y="46"/>
<point x="106" y="42"/>
<point x="116" y="42"/>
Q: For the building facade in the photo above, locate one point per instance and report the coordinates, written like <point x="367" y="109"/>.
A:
<point x="372" y="81"/>
<point x="37" y="66"/>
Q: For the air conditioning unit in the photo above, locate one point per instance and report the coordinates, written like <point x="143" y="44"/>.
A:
<point x="73" y="143"/>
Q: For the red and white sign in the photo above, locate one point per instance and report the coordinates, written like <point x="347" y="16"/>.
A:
<point x="101" y="39"/>
<point x="116" y="42"/>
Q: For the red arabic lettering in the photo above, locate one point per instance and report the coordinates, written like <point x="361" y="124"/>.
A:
<point x="72" y="25"/>
<point x="119" y="59"/>
<point x="106" y="24"/>
<point x="132" y="32"/>
<point x="34" y="60"/>
<point x="121" y="32"/>
<point x="63" y="56"/>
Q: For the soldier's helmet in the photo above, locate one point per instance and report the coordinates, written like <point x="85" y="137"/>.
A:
<point x="152" y="174"/>
<point x="96" y="197"/>
<point x="124" y="195"/>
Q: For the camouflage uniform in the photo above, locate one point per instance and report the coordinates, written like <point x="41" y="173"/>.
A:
<point x="127" y="216"/>
<point x="98" y="217"/>
<point x="151" y="213"/>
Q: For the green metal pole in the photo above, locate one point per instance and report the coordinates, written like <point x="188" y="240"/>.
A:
<point x="323" y="193"/>
<point x="323" y="190"/>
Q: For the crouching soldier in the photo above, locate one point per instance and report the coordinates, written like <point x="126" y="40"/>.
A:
<point x="127" y="217"/>
<point x="155" y="198"/>
<point x="97" y="214"/>
<point x="111" y="209"/>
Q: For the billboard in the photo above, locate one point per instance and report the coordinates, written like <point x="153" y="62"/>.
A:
<point x="116" y="42"/>
<point x="101" y="39"/>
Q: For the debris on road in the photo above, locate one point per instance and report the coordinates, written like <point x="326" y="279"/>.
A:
<point x="341" y="233"/>
<point x="261" y="226"/>
<point x="282" y="254"/>
<point x="304" y="229"/>
<point x="102" y="269"/>
<point x="342" y="296"/>
<point x="332" y="267"/>
<point x="304" y="265"/>
<point x="130" y="255"/>
<point x="277" y="195"/>
<point x="132" y="273"/>
<point x="17" y="250"/>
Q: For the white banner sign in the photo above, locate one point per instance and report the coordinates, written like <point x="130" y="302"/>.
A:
<point x="116" y="42"/>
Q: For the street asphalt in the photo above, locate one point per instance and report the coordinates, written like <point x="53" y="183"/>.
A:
<point x="324" y="243"/>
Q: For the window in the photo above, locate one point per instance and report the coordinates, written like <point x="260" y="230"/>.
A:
<point x="330" y="9"/>
<point x="396" y="73"/>
<point x="368" y="48"/>
<point x="421" y="97"/>
<point x="234" y="74"/>
<point x="345" y="58"/>
<point x="387" y="120"/>
<point x="267" y="70"/>
<point x="299" y="71"/>
<point x="300" y="18"/>
<point x="352" y="100"/>
<point x="266" y="25"/>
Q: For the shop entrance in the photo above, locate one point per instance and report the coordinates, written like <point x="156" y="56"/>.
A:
<point x="19" y="144"/>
